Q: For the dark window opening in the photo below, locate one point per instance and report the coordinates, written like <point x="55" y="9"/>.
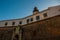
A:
<point x="16" y="37"/>
<point x="20" y="22"/>
<point x="13" y="23"/>
<point x="37" y="17"/>
<point x="6" y="24"/>
<point x="31" y="19"/>
<point x="45" y="14"/>
<point x="27" y="20"/>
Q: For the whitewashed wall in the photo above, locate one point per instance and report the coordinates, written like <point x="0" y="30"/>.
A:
<point x="52" y="11"/>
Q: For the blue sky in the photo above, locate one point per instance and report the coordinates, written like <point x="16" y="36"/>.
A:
<point x="14" y="9"/>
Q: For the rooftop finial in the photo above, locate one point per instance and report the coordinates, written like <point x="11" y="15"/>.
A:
<point x="35" y="10"/>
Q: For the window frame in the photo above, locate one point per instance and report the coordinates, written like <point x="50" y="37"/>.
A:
<point x="6" y="23"/>
<point x="20" y="22"/>
<point x="13" y="23"/>
<point x="28" y="20"/>
<point x="38" y="17"/>
<point x="45" y="14"/>
<point x="31" y="19"/>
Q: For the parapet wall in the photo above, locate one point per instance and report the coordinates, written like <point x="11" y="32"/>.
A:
<point x="48" y="29"/>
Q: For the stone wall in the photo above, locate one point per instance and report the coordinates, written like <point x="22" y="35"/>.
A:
<point x="6" y="33"/>
<point x="48" y="29"/>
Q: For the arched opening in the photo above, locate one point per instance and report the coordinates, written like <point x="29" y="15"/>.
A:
<point x="16" y="37"/>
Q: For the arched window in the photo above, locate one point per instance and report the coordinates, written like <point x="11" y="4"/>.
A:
<point x="16" y="37"/>
<point x="27" y="20"/>
<point x="45" y="14"/>
<point x="13" y="23"/>
<point x="31" y="19"/>
<point x="6" y="24"/>
<point x="37" y="17"/>
<point x="20" y="22"/>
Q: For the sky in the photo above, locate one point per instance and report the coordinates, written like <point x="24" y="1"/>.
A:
<point x="14" y="9"/>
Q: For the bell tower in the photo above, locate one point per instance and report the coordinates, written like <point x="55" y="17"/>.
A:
<point x="35" y="11"/>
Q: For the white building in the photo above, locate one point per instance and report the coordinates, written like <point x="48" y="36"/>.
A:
<point x="50" y="12"/>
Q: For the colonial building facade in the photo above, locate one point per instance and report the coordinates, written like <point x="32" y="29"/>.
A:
<point x="50" y="12"/>
<point x="44" y="25"/>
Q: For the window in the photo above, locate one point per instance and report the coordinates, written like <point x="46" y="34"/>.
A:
<point x="6" y="24"/>
<point x="27" y="20"/>
<point x="37" y="17"/>
<point x="31" y="19"/>
<point x="13" y="23"/>
<point x="45" y="14"/>
<point x="16" y="37"/>
<point x="20" y="22"/>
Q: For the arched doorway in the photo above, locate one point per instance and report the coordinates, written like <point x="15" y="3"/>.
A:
<point x="16" y="37"/>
